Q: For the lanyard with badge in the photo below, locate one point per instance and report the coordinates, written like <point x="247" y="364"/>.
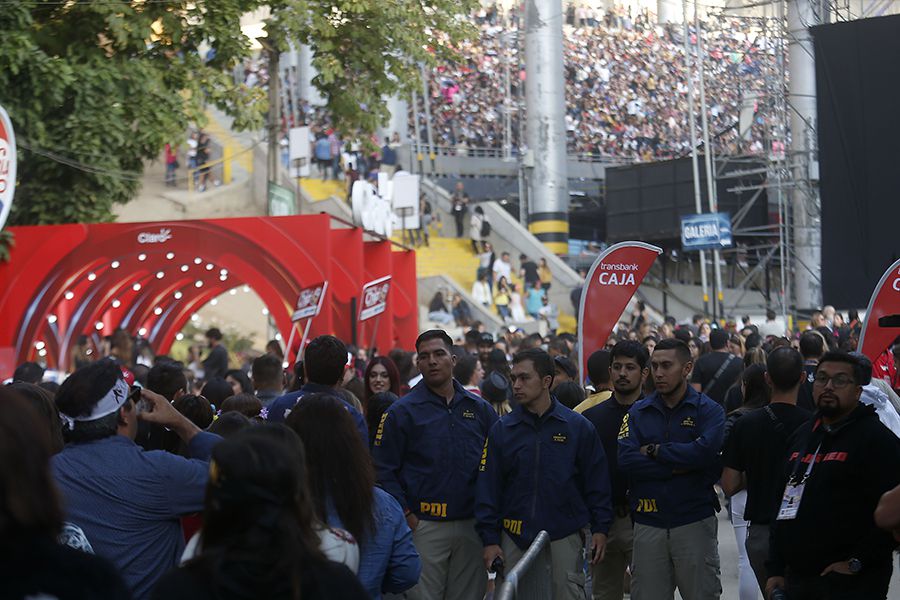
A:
<point x="793" y="491"/>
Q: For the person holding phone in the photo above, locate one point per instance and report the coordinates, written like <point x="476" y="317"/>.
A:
<point x="127" y="501"/>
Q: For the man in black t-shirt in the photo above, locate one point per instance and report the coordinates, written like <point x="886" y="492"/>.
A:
<point x="755" y="453"/>
<point x="528" y="271"/>
<point x="715" y="372"/>
<point x="216" y="364"/>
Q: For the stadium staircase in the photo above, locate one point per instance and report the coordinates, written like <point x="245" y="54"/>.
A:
<point x="455" y="257"/>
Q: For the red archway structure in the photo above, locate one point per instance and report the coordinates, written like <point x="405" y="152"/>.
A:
<point x="63" y="281"/>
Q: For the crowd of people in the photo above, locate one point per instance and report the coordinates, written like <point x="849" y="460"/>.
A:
<point x="626" y="85"/>
<point x="429" y="473"/>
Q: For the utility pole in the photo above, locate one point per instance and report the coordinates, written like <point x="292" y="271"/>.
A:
<point x="692" y="120"/>
<point x="708" y="156"/>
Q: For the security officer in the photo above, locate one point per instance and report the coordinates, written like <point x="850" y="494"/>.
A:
<point x="627" y="373"/>
<point x="543" y="468"/>
<point x="426" y="454"/>
<point x="669" y="448"/>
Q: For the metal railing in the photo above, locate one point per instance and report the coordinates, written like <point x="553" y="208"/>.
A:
<point x="194" y="174"/>
<point x="421" y="151"/>
<point x="510" y="585"/>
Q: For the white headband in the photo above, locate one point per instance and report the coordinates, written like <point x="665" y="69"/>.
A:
<point x="108" y="404"/>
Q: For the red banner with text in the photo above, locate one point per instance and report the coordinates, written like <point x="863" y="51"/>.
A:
<point x="613" y="279"/>
<point x="882" y="324"/>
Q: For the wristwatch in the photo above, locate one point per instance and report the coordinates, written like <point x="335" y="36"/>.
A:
<point x="855" y="565"/>
<point x="651" y="450"/>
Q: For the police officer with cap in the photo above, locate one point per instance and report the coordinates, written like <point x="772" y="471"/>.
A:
<point x="543" y="468"/>
<point x="426" y="453"/>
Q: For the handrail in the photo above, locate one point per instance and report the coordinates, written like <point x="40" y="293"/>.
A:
<point x="367" y="231"/>
<point x="509" y="587"/>
<point x="433" y="152"/>
<point x="227" y="156"/>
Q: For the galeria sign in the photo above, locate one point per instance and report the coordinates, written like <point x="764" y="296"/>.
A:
<point x="7" y="166"/>
<point x="612" y="281"/>
<point x="879" y="332"/>
<point x="374" y="298"/>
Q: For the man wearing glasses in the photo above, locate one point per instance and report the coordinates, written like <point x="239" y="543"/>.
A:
<point x="825" y="544"/>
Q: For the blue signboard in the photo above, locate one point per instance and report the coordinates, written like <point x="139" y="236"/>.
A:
<point x="710" y="231"/>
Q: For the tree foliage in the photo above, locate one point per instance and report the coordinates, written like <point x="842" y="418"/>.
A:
<point x="96" y="87"/>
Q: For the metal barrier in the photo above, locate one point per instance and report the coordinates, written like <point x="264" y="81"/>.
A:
<point x="540" y="546"/>
<point x="225" y="162"/>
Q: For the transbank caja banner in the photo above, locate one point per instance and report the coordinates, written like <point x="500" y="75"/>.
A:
<point x="613" y="279"/>
<point x="882" y="324"/>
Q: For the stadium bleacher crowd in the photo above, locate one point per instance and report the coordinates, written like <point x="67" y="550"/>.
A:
<point x="626" y="85"/>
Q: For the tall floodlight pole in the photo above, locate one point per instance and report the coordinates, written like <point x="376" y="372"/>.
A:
<point x="692" y="123"/>
<point x="708" y="159"/>
<point x="545" y="98"/>
<point x="806" y="208"/>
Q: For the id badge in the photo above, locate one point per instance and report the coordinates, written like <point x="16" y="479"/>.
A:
<point x="790" y="502"/>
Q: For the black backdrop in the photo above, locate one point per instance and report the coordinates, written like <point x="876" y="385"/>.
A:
<point x="858" y="89"/>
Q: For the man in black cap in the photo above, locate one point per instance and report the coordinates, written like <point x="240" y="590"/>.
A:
<point x="563" y="370"/>
<point x="485" y="345"/>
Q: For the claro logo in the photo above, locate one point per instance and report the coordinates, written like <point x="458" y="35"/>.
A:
<point x="146" y="237"/>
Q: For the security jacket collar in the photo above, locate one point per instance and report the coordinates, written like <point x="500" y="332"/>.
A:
<point x="691" y="396"/>
<point x="520" y="415"/>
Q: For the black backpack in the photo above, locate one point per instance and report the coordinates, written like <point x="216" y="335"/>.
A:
<point x="485" y="228"/>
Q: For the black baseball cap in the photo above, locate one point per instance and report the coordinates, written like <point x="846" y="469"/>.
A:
<point x="485" y="339"/>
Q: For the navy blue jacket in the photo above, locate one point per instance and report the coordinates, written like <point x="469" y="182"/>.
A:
<point x="676" y="487"/>
<point x="281" y="407"/>
<point x="426" y="451"/>
<point x="546" y="472"/>
<point x="607" y="419"/>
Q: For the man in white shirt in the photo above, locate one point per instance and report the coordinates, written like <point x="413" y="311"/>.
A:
<point x="502" y="267"/>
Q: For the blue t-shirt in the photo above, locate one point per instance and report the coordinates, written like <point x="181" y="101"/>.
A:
<point x="323" y="149"/>
<point x="534" y="300"/>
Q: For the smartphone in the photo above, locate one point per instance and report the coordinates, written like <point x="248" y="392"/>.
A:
<point x="140" y="404"/>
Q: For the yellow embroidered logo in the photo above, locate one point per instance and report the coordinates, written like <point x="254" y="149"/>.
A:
<point x="483" y="464"/>
<point x="688" y="422"/>
<point x="558" y="437"/>
<point x="646" y="505"/>
<point x="512" y="526"/>
<point x="380" y="432"/>
<point x="623" y="430"/>
<point x="468" y="414"/>
<point x="435" y="509"/>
